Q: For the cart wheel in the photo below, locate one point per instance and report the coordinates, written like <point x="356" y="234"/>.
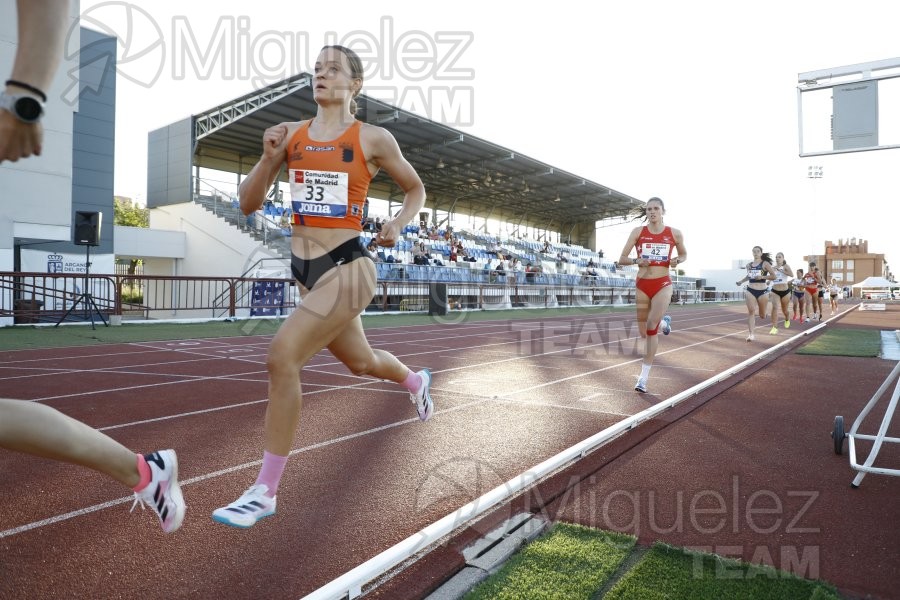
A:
<point x="838" y="435"/>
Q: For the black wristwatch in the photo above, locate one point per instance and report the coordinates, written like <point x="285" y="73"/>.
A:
<point x="25" y="108"/>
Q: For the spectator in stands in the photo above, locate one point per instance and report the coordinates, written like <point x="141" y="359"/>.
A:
<point x="329" y="261"/>
<point x="464" y="254"/>
<point x="529" y="273"/>
<point x="654" y="243"/>
<point x="500" y="268"/>
<point x="376" y="252"/>
<point x="378" y="224"/>
<point x="454" y="254"/>
<point x="559" y="262"/>
<point x="420" y="254"/>
<point x="590" y="272"/>
<point x="547" y="249"/>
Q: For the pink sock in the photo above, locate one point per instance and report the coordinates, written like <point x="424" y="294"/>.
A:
<point x="413" y="382"/>
<point x="270" y="473"/>
<point x="143" y="472"/>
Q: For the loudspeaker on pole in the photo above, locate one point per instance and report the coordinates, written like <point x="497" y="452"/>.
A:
<point x="87" y="228"/>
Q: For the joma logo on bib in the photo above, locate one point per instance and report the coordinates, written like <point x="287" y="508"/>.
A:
<point x="310" y="208"/>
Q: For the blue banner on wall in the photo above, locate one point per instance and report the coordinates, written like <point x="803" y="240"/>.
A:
<point x="268" y="298"/>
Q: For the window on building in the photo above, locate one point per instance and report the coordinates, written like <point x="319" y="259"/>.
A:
<point x="837" y="276"/>
<point x="849" y="265"/>
<point x="837" y="264"/>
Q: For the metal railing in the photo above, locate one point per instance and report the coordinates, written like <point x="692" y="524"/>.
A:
<point x="47" y="297"/>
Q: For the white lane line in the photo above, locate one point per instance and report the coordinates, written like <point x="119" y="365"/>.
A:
<point x="502" y="398"/>
<point x="90" y="509"/>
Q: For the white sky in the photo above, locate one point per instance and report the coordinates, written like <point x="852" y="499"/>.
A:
<point x="692" y="101"/>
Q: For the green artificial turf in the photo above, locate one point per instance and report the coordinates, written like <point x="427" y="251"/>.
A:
<point x="845" y="342"/>
<point x="667" y="572"/>
<point x="568" y="563"/>
<point x="574" y="562"/>
<point x="47" y="336"/>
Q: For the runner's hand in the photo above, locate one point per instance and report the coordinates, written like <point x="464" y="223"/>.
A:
<point x="274" y="141"/>
<point x="388" y="235"/>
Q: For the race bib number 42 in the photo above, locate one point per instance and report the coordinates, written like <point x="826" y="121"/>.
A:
<point x="655" y="252"/>
<point x="319" y="193"/>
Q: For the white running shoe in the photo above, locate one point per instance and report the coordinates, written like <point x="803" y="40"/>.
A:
<point x="667" y="325"/>
<point x="244" y="512"/>
<point x="422" y="399"/>
<point x="163" y="494"/>
<point x="751" y="337"/>
<point x="641" y="385"/>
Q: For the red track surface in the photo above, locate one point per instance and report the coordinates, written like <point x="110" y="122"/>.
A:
<point x="367" y="474"/>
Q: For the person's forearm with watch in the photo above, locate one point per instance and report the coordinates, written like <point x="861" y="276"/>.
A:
<point x="41" y="35"/>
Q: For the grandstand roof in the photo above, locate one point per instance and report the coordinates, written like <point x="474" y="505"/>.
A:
<point x="461" y="172"/>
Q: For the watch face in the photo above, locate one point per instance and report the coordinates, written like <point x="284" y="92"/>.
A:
<point x="28" y="109"/>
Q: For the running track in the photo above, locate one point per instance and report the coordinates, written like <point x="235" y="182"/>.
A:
<point x="365" y="472"/>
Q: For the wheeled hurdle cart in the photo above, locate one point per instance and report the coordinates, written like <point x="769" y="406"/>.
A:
<point x="878" y="439"/>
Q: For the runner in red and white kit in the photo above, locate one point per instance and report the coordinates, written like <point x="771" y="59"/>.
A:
<point x="811" y="282"/>
<point x="654" y="243"/>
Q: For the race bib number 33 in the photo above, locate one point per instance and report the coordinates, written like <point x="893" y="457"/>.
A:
<point x="319" y="193"/>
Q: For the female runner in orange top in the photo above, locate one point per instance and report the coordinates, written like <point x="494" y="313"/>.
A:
<point x="654" y="243"/>
<point x="330" y="161"/>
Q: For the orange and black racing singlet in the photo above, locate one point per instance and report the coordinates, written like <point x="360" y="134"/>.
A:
<point x="329" y="180"/>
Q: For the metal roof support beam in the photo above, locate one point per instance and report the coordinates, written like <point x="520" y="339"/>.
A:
<point x="390" y="118"/>
<point x="221" y="117"/>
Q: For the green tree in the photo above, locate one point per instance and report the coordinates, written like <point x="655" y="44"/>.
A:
<point x="129" y="214"/>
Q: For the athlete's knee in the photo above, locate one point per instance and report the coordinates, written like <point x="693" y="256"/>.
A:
<point x="653" y="331"/>
<point x="361" y="365"/>
<point x="281" y="363"/>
